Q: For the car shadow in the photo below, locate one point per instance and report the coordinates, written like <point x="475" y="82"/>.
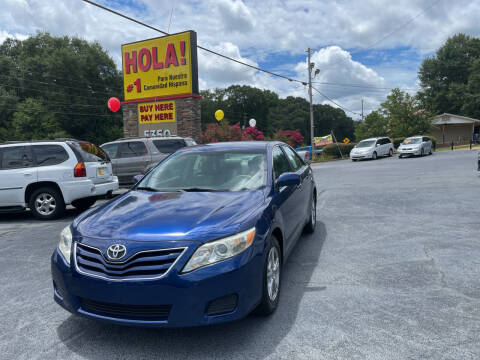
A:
<point x="26" y="216"/>
<point x="252" y="337"/>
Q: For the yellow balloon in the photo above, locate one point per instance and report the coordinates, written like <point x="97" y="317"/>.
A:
<point x="219" y="115"/>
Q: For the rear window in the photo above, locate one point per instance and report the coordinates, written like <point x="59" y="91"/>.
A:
<point x="46" y="155"/>
<point x="89" y="152"/>
<point x="169" y="146"/>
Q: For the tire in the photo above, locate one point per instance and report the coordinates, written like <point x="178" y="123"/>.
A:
<point x="268" y="305"/>
<point x="46" y="203"/>
<point x="421" y="153"/>
<point x="374" y="155"/>
<point x="83" y="204"/>
<point x="400" y="156"/>
<point x="354" y="160"/>
<point x="431" y="152"/>
<point x="312" y="221"/>
<point x="390" y="153"/>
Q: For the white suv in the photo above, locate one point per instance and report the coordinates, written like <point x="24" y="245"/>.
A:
<point x="372" y="148"/>
<point x="47" y="175"/>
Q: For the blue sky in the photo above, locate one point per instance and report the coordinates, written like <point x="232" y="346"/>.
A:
<point x="273" y="34"/>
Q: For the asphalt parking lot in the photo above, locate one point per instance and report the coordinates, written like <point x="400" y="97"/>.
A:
<point x="392" y="272"/>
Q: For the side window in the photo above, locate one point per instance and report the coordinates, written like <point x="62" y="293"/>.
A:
<point x="426" y="139"/>
<point x="168" y="146"/>
<point x="46" y="155"/>
<point x="294" y="159"/>
<point x="280" y="162"/>
<point x="111" y="150"/>
<point x="16" y="157"/>
<point x="387" y="141"/>
<point x="132" y="149"/>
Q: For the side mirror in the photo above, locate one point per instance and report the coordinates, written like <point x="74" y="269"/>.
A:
<point x="288" y="179"/>
<point x="377" y="145"/>
<point x="137" y="178"/>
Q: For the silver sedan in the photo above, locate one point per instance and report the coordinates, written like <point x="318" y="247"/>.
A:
<point x="416" y="145"/>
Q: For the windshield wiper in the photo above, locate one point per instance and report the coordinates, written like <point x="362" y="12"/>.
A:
<point x="197" y="189"/>
<point x="147" y="188"/>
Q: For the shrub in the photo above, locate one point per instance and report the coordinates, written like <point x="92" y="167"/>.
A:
<point x="217" y="132"/>
<point x="292" y="137"/>
<point x="332" y="150"/>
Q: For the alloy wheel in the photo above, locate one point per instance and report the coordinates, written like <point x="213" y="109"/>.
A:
<point x="313" y="215"/>
<point x="273" y="273"/>
<point x="45" y="204"/>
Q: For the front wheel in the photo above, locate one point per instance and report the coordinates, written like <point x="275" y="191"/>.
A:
<point x="271" y="279"/>
<point x="83" y="204"/>
<point x="374" y="155"/>
<point x="390" y="153"/>
<point x="46" y="203"/>
<point x="310" y="227"/>
<point x="421" y="153"/>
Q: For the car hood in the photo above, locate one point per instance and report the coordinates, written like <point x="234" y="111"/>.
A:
<point x="144" y="216"/>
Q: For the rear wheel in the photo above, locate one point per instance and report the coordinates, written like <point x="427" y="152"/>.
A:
<point x="46" y="203"/>
<point x="374" y="155"/>
<point x="271" y="279"/>
<point x="390" y="153"/>
<point x="83" y="204"/>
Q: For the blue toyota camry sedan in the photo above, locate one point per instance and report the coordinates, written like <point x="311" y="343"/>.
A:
<point x="199" y="240"/>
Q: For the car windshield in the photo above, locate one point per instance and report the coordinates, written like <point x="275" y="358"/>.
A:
<point x="412" y="141"/>
<point x="208" y="171"/>
<point x="365" y="143"/>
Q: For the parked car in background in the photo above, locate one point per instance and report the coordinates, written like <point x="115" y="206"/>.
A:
<point x="415" y="145"/>
<point x="44" y="176"/>
<point x="372" y="148"/>
<point x="200" y="240"/>
<point x="305" y="152"/>
<point x="138" y="155"/>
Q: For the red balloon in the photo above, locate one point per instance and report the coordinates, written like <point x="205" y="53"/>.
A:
<point x="114" y="104"/>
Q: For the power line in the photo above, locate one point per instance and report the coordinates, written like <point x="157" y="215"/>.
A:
<point x="403" y="25"/>
<point x="360" y="86"/>
<point x="198" y="46"/>
<point x="331" y="100"/>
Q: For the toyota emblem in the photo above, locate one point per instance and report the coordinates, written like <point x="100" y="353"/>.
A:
<point x="116" y="251"/>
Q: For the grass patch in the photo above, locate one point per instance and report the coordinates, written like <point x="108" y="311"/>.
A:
<point x="458" y="147"/>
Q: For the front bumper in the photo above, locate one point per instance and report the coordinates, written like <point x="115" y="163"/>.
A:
<point x="187" y="295"/>
<point x="409" y="152"/>
<point x="73" y="190"/>
<point x="359" y="156"/>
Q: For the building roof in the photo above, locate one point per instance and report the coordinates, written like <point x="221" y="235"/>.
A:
<point x="449" y="119"/>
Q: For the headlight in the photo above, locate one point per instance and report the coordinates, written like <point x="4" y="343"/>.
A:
<point x="219" y="250"/>
<point x="65" y="244"/>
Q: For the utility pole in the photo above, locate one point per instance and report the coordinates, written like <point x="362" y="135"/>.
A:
<point x="310" y="68"/>
<point x="362" y="109"/>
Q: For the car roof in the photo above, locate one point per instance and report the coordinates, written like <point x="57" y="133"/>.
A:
<point x="234" y="145"/>
<point x="140" y="138"/>
<point x="375" y="138"/>
<point x="38" y="141"/>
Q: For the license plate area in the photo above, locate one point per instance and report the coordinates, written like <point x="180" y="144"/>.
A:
<point x="102" y="172"/>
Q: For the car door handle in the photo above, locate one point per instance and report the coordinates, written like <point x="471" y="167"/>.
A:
<point x="27" y="174"/>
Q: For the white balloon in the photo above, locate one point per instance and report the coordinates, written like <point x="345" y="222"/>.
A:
<point x="252" y="122"/>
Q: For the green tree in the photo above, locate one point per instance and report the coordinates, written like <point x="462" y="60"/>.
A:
<point x="375" y="124"/>
<point x="401" y="115"/>
<point x="66" y="82"/>
<point x="449" y="80"/>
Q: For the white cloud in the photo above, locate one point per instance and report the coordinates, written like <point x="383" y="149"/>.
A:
<point x="235" y="15"/>
<point x="266" y="30"/>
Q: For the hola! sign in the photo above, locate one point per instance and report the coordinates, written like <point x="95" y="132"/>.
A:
<point x="156" y="112"/>
<point x="160" y="67"/>
<point x="323" y="140"/>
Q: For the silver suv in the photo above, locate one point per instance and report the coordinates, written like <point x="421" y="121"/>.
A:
<point x="137" y="155"/>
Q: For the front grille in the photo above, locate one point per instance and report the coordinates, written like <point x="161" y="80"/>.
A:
<point x="149" y="264"/>
<point x="131" y="312"/>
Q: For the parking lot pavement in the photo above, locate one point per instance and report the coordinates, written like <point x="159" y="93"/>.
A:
<point x="392" y="272"/>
